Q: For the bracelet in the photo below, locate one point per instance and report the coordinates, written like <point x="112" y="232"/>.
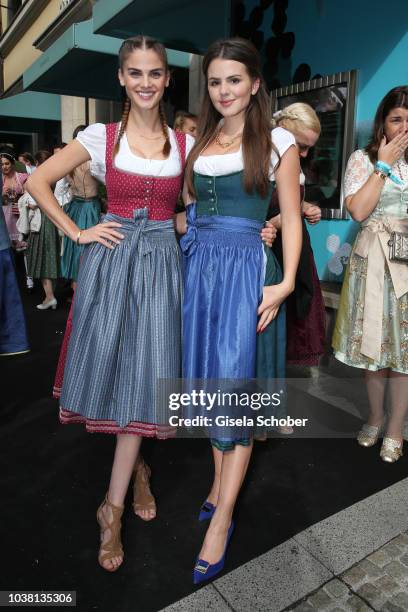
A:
<point x="386" y="169"/>
<point x="380" y="173"/>
<point x="78" y="237"/>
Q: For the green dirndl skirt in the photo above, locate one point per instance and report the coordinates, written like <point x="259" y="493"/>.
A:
<point x="85" y="213"/>
<point x="43" y="258"/>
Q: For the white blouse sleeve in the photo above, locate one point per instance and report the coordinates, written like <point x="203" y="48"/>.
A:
<point x="357" y="172"/>
<point x="282" y="140"/>
<point x="190" y="142"/>
<point x="93" y="138"/>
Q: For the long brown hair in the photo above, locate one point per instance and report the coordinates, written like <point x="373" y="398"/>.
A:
<point x="256" y="138"/>
<point x="128" y="46"/>
<point x="395" y="98"/>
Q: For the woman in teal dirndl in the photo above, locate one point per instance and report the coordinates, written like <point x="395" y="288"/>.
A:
<point x="84" y="209"/>
<point x="234" y="287"/>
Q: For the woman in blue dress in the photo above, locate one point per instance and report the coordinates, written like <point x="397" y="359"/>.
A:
<point x="234" y="288"/>
<point x="13" y="333"/>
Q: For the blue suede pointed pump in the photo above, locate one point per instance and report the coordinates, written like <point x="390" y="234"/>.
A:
<point x="206" y="511"/>
<point x="205" y="571"/>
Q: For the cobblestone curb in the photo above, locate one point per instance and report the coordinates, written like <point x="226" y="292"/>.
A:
<point x="378" y="582"/>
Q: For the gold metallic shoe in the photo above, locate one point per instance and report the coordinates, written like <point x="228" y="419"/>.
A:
<point x="391" y="450"/>
<point x="368" y="435"/>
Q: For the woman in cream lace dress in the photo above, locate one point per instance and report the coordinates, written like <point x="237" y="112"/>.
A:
<point x="371" y="330"/>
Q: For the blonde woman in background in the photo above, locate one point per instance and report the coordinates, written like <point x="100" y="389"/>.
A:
<point x="305" y="314"/>
<point x="186" y="122"/>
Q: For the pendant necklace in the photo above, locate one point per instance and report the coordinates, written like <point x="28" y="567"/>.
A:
<point x="226" y="145"/>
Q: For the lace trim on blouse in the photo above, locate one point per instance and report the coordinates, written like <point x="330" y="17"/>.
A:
<point x="359" y="168"/>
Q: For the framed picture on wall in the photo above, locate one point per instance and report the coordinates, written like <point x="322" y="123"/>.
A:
<point x="333" y="98"/>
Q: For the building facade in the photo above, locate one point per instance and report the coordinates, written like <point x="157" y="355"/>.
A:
<point x="59" y="61"/>
<point x="57" y="74"/>
<point x="33" y="120"/>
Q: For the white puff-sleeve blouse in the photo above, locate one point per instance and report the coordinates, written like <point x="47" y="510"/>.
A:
<point x="227" y="163"/>
<point x="93" y="138"/>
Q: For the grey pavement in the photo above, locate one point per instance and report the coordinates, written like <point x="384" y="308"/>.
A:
<point x="378" y="582"/>
<point x="356" y="559"/>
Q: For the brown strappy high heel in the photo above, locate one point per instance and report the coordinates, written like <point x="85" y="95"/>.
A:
<point x="113" y="546"/>
<point x="142" y="495"/>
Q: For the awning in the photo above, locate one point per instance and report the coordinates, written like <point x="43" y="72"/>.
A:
<point x="31" y="105"/>
<point x="81" y="63"/>
<point x="186" y="25"/>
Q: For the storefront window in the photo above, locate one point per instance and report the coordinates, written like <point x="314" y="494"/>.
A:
<point x="333" y="99"/>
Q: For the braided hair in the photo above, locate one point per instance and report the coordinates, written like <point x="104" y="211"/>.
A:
<point x="295" y="116"/>
<point x="123" y="125"/>
<point x="163" y="121"/>
<point x="127" y="47"/>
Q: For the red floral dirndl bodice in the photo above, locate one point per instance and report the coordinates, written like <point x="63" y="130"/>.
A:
<point x="127" y="192"/>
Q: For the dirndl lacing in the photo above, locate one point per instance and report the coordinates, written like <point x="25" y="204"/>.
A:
<point x="126" y="329"/>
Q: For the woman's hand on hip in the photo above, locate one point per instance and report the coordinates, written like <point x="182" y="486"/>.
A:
<point x="103" y="233"/>
<point x="273" y="296"/>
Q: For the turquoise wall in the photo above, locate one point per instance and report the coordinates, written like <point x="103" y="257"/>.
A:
<point x="333" y="36"/>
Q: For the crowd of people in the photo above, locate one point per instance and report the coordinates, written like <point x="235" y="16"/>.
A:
<point x="219" y="303"/>
<point x="29" y="230"/>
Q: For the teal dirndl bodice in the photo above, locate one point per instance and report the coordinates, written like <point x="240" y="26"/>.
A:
<point x="225" y="195"/>
<point x="226" y="268"/>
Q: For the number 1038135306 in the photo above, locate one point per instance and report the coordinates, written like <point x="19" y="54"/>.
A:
<point x="37" y="598"/>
